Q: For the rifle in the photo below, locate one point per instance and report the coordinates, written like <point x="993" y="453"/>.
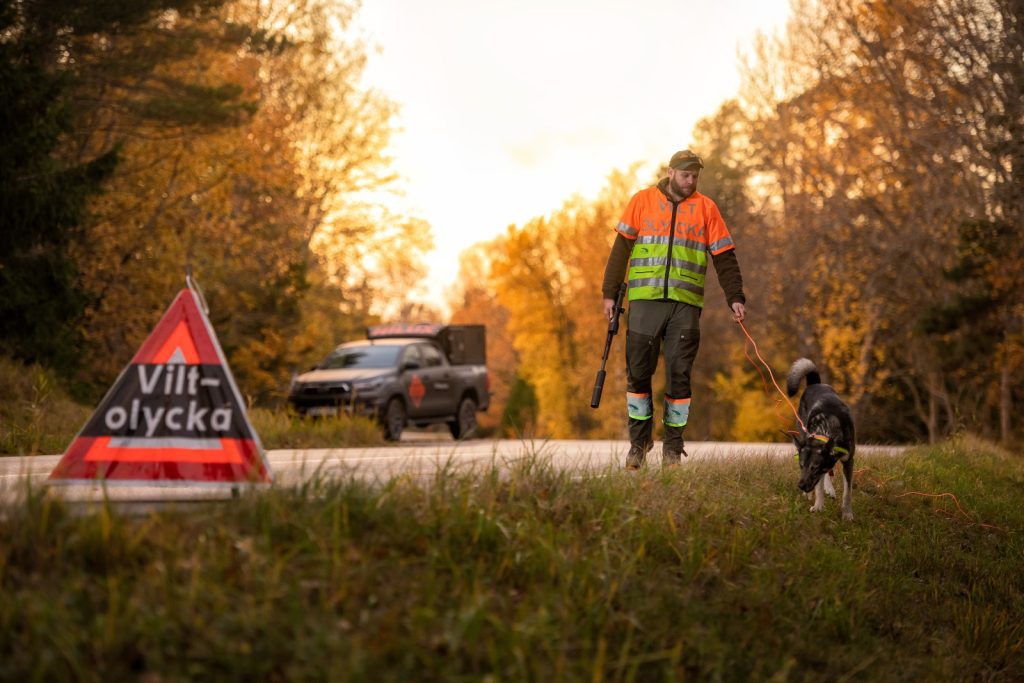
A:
<point x="613" y="327"/>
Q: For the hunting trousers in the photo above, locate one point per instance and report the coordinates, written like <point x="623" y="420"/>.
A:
<point x="651" y="324"/>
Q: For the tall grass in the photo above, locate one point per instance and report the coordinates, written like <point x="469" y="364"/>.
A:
<point x="36" y="415"/>
<point x="284" y="429"/>
<point x="710" y="571"/>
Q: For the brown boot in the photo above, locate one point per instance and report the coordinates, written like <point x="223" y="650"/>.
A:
<point x="636" y="455"/>
<point x="672" y="458"/>
<point x="641" y="440"/>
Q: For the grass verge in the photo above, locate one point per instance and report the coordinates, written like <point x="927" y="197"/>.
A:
<point x="36" y="416"/>
<point x="710" y="571"/>
<point x="284" y="429"/>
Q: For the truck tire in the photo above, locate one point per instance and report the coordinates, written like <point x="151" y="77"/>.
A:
<point x="464" y="424"/>
<point x="394" y="420"/>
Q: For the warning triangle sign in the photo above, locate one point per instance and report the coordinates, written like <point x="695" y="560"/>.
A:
<point x="174" y="415"/>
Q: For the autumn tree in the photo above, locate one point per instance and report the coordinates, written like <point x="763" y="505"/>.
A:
<point x="726" y="385"/>
<point x="883" y="128"/>
<point x="265" y="204"/>
<point x="48" y="51"/>
<point x="544" y="273"/>
<point x="472" y="301"/>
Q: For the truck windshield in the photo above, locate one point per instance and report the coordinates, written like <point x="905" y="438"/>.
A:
<point x="362" y="357"/>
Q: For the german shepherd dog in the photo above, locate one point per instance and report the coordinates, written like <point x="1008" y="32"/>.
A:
<point x="825" y="436"/>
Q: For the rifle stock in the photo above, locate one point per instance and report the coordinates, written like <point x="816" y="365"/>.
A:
<point x="613" y="328"/>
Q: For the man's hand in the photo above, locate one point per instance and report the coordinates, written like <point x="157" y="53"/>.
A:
<point x="609" y="309"/>
<point x="739" y="312"/>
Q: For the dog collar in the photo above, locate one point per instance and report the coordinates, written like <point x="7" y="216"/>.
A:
<point x="844" y="453"/>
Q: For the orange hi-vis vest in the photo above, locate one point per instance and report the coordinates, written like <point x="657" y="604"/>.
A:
<point x="671" y="244"/>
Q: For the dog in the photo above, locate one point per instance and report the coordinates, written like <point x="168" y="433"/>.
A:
<point x="824" y="437"/>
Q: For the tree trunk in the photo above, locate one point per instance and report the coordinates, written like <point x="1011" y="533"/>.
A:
<point x="933" y="418"/>
<point x="1005" y="403"/>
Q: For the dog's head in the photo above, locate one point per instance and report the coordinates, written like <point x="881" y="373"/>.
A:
<point x="816" y="455"/>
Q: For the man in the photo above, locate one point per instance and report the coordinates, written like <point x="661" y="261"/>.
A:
<point x="664" y="238"/>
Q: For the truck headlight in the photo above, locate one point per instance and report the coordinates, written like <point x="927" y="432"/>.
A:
<point x="368" y="385"/>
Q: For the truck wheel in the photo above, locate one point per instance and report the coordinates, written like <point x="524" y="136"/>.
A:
<point x="464" y="424"/>
<point x="394" y="420"/>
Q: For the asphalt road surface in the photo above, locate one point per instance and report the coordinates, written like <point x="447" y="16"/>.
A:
<point x="419" y="456"/>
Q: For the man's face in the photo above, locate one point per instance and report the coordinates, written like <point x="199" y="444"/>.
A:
<point x="684" y="183"/>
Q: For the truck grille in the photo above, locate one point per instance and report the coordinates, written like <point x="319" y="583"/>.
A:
<point x="320" y="389"/>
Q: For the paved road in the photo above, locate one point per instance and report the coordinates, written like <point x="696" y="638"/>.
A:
<point x="418" y="456"/>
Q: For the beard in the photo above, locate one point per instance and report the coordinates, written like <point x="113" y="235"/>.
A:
<point x="680" y="191"/>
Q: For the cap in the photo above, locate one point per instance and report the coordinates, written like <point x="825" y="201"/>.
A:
<point x="684" y="160"/>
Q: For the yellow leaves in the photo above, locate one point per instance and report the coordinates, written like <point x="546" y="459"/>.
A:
<point x="528" y="283"/>
<point x="541" y="284"/>
<point x="388" y="257"/>
<point x="241" y="200"/>
<point x="850" y="330"/>
<point x="753" y="414"/>
<point x="473" y="302"/>
<point x="249" y="360"/>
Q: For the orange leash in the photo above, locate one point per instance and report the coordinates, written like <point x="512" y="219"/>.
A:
<point x="956" y="502"/>
<point x="767" y="367"/>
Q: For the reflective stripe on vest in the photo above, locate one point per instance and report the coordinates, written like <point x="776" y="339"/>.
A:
<point x="677" y="411"/>
<point x="650" y="262"/>
<point x="628" y="231"/>
<point x="640" y="406"/>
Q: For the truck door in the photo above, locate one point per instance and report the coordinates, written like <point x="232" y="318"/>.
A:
<point x="440" y="384"/>
<point x="413" y="384"/>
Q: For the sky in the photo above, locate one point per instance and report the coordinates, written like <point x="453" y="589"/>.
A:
<point x="510" y="107"/>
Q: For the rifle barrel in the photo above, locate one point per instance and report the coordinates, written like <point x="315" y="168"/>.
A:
<point x="613" y="328"/>
<point x="595" y="398"/>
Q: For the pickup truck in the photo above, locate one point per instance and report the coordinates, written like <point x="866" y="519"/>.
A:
<point x="401" y="375"/>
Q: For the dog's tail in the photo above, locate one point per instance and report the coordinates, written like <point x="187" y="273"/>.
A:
<point x="803" y="367"/>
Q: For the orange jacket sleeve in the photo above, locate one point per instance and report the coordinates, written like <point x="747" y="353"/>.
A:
<point x="629" y="226"/>
<point x="719" y="239"/>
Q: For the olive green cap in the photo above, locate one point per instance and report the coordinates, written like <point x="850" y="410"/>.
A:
<point x="685" y="160"/>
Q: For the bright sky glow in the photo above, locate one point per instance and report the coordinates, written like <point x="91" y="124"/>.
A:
<point x="509" y="108"/>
